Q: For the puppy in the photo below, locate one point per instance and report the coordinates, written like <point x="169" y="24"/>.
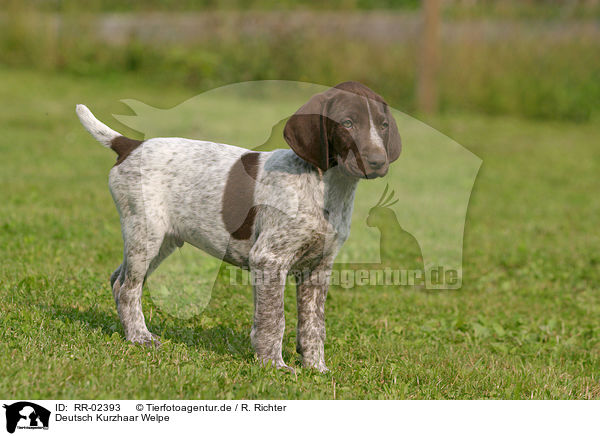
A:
<point x="277" y="213"/>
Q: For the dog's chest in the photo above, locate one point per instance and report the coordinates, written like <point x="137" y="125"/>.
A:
<point x="327" y="221"/>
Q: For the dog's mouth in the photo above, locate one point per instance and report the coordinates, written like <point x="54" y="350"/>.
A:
<point x="375" y="174"/>
<point x="353" y="170"/>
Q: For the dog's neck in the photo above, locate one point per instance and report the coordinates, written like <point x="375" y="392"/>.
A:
<point x="339" y="191"/>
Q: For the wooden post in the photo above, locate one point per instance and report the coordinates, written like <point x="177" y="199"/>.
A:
<point x="427" y="98"/>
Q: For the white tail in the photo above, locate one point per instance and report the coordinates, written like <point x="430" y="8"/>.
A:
<point x="98" y="130"/>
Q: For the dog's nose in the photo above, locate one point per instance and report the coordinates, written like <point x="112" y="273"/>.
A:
<point x="376" y="161"/>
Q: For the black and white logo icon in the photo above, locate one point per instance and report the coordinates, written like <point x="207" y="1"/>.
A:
<point x="26" y="415"/>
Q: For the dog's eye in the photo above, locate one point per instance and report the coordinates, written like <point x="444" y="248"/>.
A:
<point x="384" y="125"/>
<point x="347" y="124"/>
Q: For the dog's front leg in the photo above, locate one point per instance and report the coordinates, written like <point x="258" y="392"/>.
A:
<point x="311" y="294"/>
<point x="268" y="275"/>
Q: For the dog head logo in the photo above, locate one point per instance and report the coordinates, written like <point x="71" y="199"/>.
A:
<point x="26" y="415"/>
<point x="422" y="231"/>
<point x="432" y="180"/>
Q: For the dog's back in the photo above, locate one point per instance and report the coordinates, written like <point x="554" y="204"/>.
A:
<point x="204" y="193"/>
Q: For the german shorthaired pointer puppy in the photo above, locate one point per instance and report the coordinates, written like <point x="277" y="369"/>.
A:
<point x="231" y="203"/>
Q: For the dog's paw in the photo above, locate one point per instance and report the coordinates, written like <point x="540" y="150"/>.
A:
<point x="287" y="368"/>
<point x="149" y="340"/>
<point x="277" y="364"/>
<point x="319" y="366"/>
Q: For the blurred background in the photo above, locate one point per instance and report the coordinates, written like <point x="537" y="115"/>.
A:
<point x="514" y="82"/>
<point x="528" y="58"/>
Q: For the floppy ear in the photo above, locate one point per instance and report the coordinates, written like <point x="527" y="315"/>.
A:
<point x="306" y="132"/>
<point x="394" y="144"/>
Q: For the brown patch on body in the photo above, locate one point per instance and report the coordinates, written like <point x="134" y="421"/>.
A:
<point x="238" y="210"/>
<point x="123" y="146"/>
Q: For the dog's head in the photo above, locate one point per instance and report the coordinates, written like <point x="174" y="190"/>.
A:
<point x="348" y="125"/>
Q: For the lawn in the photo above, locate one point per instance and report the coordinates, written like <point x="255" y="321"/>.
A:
<point x="525" y="324"/>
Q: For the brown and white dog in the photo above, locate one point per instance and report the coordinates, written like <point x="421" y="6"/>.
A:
<point x="276" y="213"/>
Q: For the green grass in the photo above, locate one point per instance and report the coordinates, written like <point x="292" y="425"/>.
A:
<point x="524" y="325"/>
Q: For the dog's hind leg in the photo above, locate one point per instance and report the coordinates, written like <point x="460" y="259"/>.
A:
<point x="167" y="247"/>
<point x="115" y="275"/>
<point x="142" y="254"/>
<point x="115" y="281"/>
<point x="117" y="278"/>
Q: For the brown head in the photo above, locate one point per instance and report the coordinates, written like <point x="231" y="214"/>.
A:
<point x="348" y="125"/>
